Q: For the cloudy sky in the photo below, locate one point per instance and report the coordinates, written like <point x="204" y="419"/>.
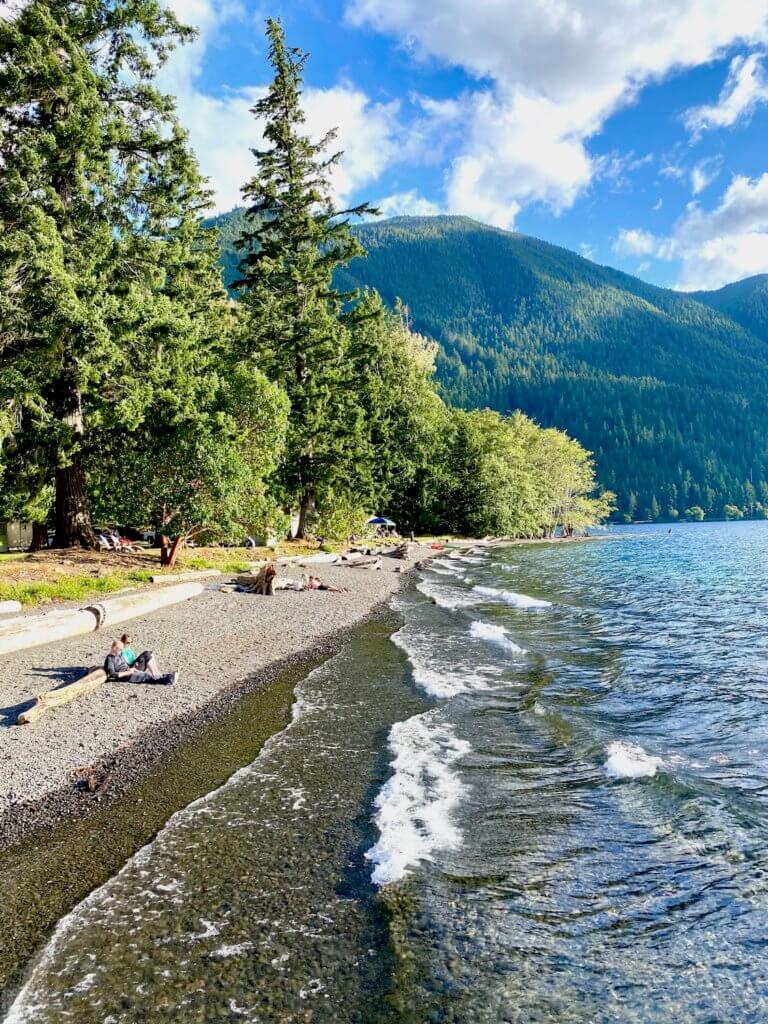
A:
<point x="632" y="131"/>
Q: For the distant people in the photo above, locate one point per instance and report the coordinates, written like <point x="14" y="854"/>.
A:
<point x="142" y="669"/>
<point x="315" y="583"/>
<point x="411" y="536"/>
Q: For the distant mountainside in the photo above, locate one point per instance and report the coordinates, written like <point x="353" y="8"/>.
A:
<point x="670" y="391"/>
<point x="746" y="302"/>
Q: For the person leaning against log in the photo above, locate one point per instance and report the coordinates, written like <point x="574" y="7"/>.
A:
<point x="143" y="669"/>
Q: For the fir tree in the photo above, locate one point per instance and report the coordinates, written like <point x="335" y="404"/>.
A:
<point x="99" y="253"/>
<point x="298" y="324"/>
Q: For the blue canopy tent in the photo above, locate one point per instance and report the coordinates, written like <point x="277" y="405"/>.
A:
<point x="380" y="521"/>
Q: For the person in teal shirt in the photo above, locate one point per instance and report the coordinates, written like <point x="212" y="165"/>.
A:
<point x="144" y="662"/>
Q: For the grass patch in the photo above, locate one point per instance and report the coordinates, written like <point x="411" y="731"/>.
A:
<point x="68" y="588"/>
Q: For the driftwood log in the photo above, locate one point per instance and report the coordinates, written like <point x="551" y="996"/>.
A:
<point x="19" y="634"/>
<point x="62" y="695"/>
<point x="183" y="577"/>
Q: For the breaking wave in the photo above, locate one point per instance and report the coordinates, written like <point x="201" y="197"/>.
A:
<point x="512" y="598"/>
<point x="414" y="808"/>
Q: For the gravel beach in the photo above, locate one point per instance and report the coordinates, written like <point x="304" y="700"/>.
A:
<point x="218" y="642"/>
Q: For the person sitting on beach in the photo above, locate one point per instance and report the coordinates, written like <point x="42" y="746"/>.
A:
<point x="117" y="668"/>
<point x="144" y="662"/>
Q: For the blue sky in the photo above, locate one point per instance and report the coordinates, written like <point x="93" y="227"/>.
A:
<point x="633" y="132"/>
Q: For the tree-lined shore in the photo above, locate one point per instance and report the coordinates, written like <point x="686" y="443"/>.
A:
<point x="135" y="389"/>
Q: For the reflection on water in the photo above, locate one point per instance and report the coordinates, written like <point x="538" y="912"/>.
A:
<point x="546" y="800"/>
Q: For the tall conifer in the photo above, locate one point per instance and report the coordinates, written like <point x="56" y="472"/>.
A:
<point x="298" y="325"/>
<point x="98" y="207"/>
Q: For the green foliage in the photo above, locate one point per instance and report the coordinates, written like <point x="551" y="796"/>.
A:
<point x="297" y="326"/>
<point x="732" y="512"/>
<point x="118" y="375"/>
<point x="668" y="392"/>
<point x="695" y="514"/>
<point x="131" y="386"/>
<point x="506" y="476"/>
<point x="68" y="588"/>
<point x="745" y="302"/>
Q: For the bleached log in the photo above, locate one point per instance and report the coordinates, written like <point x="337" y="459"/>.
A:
<point x="10" y="607"/>
<point x="62" y="695"/>
<point x="182" y="577"/>
<point x="36" y="630"/>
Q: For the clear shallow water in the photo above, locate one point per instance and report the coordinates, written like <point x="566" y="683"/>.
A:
<point x="563" y="802"/>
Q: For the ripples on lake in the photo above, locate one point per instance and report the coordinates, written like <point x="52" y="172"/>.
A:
<point x="546" y="800"/>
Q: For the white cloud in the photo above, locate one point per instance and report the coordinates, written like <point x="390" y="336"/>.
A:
<point x="407" y="204"/>
<point x="223" y="130"/>
<point x="704" y="173"/>
<point x="635" y="242"/>
<point x="551" y="74"/>
<point x="713" y="247"/>
<point x="745" y="87"/>
<point x="727" y="243"/>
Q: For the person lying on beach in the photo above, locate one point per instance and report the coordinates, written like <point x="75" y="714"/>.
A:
<point x="117" y="668"/>
<point x="315" y="583"/>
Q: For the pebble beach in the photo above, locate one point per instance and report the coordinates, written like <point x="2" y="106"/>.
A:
<point x="221" y="643"/>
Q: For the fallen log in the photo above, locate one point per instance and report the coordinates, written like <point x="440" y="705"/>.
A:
<point x="36" y="630"/>
<point x="183" y="577"/>
<point x="62" y="695"/>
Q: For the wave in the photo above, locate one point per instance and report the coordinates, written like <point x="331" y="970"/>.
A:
<point x="630" y="761"/>
<point x="436" y="679"/>
<point x="446" y="563"/>
<point x="512" y="598"/>
<point x="447" y="597"/>
<point x="443" y="572"/>
<point x="469" y="559"/>
<point x="414" y="808"/>
<point x="495" y="635"/>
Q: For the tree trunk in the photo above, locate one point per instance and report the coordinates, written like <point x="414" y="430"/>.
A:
<point x="306" y="507"/>
<point x="39" y="537"/>
<point x="73" y="518"/>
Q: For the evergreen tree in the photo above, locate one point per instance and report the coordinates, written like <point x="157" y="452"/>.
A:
<point x="298" y="325"/>
<point x="99" y="254"/>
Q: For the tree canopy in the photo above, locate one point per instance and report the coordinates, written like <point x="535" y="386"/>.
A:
<point x="135" y="389"/>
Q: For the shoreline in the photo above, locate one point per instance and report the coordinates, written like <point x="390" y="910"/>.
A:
<point x="113" y="737"/>
<point x="48" y="873"/>
<point x="119" y="733"/>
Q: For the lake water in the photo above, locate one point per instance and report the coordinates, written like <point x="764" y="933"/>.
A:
<point x="543" y="798"/>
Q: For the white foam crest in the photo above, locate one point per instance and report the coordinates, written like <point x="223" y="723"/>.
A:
<point x="414" y="808"/>
<point x="512" y="598"/>
<point x="470" y="559"/>
<point x="630" y="761"/>
<point x="445" y="563"/>
<point x="443" y="572"/>
<point x="446" y="596"/>
<point x="494" y="635"/>
<point x="435" y="679"/>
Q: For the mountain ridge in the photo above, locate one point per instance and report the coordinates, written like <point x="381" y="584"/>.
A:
<point x="665" y="387"/>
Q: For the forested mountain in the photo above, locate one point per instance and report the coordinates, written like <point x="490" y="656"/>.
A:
<point x="668" y="391"/>
<point x="746" y="302"/>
